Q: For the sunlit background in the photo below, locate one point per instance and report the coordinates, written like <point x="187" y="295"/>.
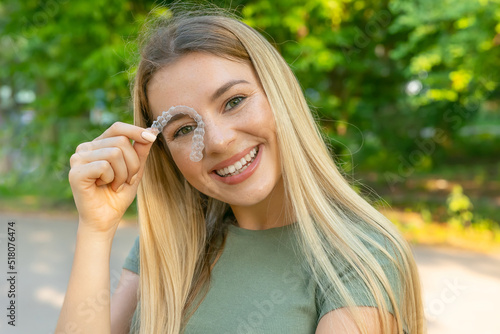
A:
<point x="406" y="92"/>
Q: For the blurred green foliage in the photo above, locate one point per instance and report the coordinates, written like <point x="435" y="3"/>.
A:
<point x="459" y="207"/>
<point x="399" y="87"/>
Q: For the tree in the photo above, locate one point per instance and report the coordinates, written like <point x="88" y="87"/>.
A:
<point x="390" y="80"/>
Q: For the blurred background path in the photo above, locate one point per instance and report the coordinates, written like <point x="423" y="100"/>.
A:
<point x="461" y="289"/>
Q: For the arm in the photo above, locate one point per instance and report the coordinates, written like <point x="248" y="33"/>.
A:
<point x="86" y="304"/>
<point x="340" y="321"/>
<point x="124" y="302"/>
<point x="104" y="178"/>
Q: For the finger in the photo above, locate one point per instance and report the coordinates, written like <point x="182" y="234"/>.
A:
<point x="114" y="156"/>
<point x="136" y="133"/>
<point x="106" y="175"/>
<point x="142" y="151"/>
<point x="93" y="172"/>
<point x="123" y="143"/>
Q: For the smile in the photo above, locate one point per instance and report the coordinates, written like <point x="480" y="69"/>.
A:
<point x="239" y="166"/>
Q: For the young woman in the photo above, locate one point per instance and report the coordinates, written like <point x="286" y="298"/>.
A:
<point x="262" y="235"/>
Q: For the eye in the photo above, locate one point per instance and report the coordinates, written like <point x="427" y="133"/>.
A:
<point x="234" y="102"/>
<point x="183" y="131"/>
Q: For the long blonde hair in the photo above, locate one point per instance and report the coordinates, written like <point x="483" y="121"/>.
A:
<point x="182" y="230"/>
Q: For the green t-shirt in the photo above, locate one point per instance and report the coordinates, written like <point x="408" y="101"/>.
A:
<point x="259" y="285"/>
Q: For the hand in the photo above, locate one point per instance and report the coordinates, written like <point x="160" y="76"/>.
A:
<point x="106" y="172"/>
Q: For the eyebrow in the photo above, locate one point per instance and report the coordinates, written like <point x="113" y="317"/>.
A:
<point x="221" y="90"/>
<point x="224" y="88"/>
<point x="175" y="118"/>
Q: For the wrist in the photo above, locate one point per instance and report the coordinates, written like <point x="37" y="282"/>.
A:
<point x="97" y="235"/>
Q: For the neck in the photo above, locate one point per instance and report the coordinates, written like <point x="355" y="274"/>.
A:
<point x="269" y="213"/>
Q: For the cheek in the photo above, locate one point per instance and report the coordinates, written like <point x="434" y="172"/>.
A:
<point x="180" y="155"/>
<point x="260" y="117"/>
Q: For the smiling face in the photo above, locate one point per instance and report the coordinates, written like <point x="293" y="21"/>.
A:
<point x="240" y="164"/>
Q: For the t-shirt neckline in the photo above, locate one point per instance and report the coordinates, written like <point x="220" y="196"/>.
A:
<point x="270" y="231"/>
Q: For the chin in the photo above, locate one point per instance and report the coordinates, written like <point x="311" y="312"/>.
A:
<point x="251" y="197"/>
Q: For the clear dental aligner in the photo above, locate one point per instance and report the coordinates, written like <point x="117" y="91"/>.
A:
<point x="197" y="145"/>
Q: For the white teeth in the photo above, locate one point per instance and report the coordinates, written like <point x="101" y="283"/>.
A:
<point x="238" y="166"/>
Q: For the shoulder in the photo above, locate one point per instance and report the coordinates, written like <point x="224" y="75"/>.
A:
<point x="381" y="258"/>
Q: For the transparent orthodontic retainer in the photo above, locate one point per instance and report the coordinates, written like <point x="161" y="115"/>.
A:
<point x="197" y="145"/>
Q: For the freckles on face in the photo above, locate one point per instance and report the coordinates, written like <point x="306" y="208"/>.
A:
<point x="181" y="151"/>
<point x="189" y="169"/>
<point x="237" y="117"/>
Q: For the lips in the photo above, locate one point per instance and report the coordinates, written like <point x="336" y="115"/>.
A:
<point x="232" y="160"/>
<point x="243" y="174"/>
<point x="240" y="165"/>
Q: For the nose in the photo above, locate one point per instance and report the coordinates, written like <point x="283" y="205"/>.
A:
<point x="219" y="135"/>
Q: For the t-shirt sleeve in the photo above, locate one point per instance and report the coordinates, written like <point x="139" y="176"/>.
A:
<point x="132" y="260"/>
<point x="357" y="288"/>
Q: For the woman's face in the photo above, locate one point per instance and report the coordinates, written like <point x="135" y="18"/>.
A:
<point x="240" y="164"/>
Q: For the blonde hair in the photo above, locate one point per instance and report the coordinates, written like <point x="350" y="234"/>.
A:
<point x="182" y="231"/>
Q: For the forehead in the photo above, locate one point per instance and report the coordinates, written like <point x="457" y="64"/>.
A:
<point x="193" y="79"/>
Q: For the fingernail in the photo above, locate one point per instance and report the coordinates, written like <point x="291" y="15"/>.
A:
<point x="120" y="188"/>
<point x="148" y="136"/>
<point x="132" y="179"/>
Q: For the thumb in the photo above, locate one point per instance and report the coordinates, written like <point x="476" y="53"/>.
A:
<point x="142" y="150"/>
